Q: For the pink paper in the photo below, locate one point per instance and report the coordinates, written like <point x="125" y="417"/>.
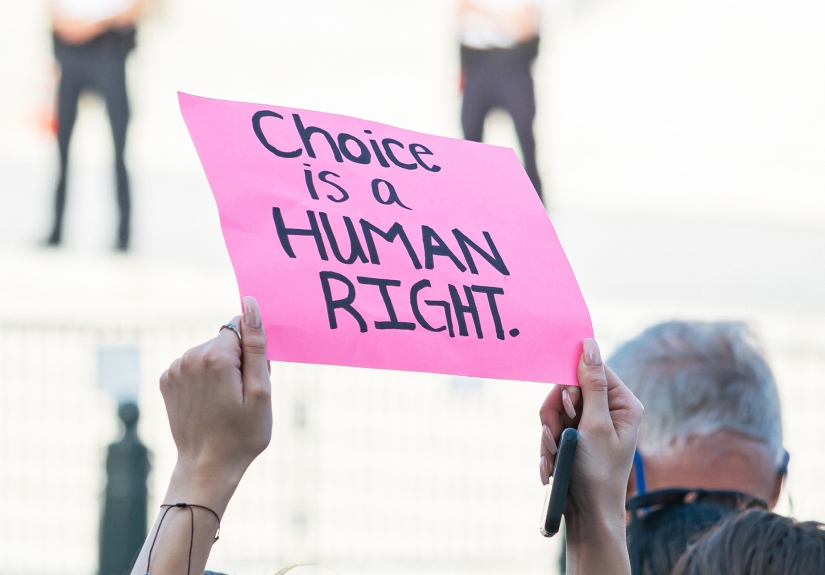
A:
<point x="471" y="218"/>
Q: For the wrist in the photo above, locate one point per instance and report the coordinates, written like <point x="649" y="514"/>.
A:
<point x="202" y="484"/>
<point x="596" y="542"/>
<point x="588" y="528"/>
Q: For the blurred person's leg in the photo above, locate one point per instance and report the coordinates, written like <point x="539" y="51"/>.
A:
<point x="111" y="83"/>
<point x="72" y="80"/>
<point x="519" y="99"/>
<point x="496" y="80"/>
<point x="477" y="102"/>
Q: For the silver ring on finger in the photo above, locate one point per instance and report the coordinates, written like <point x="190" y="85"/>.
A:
<point x="233" y="327"/>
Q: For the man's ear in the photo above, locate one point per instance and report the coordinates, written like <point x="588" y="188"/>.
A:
<point x="776" y="490"/>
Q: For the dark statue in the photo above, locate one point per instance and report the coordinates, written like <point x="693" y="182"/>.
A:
<point x="123" y="526"/>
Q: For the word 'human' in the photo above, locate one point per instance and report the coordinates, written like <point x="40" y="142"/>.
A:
<point x="433" y="245"/>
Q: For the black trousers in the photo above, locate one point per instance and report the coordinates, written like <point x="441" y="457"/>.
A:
<point x="500" y="79"/>
<point x="98" y="66"/>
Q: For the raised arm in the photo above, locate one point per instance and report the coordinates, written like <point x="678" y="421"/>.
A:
<point x="607" y="416"/>
<point x="219" y="406"/>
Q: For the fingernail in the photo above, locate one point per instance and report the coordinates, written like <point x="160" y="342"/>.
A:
<point x="251" y="313"/>
<point x="548" y="439"/>
<point x="543" y="470"/>
<point x="592" y="355"/>
<point x="568" y="404"/>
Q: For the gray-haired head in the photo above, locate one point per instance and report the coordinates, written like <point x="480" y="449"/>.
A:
<point x="695" y="378"/>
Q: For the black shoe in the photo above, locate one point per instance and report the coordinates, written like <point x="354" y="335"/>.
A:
<point x="123" y="235"/>
<point x="122" y="245"/>
<point x="54" y="240"/>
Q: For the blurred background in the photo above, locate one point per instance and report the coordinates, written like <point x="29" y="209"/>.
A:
<point x="681" y="147"/>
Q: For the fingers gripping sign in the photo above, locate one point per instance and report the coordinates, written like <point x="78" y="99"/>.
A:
<point x="218" y="401"/>
<point x="256" y="369"/>
<point x="557" y="414"/>
<point x="607" y="416"/>
<point x="605" y="412"/>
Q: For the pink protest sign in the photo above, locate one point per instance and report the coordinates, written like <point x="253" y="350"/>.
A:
<point x="372" y="246"/>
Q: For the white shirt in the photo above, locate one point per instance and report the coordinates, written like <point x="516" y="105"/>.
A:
<point x="492" y="25"/>
<point x="91" y="10"/>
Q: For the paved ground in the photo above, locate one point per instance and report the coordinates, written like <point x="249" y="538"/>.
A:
<point x="682" y="151"/>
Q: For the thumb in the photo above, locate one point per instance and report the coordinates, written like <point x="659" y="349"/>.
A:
<point x="593" y="382"/>
<point x="254" y="366"/>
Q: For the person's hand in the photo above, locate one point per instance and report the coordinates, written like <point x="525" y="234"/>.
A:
<point x="607" y="416"/>
<point x="465" y="6"/>
<point x="524" y="24"/>
<point x="75" y="32"/>
<point x="218" y="401"/>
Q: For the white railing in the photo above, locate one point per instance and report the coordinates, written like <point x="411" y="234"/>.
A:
<point x="366" y="468"/>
